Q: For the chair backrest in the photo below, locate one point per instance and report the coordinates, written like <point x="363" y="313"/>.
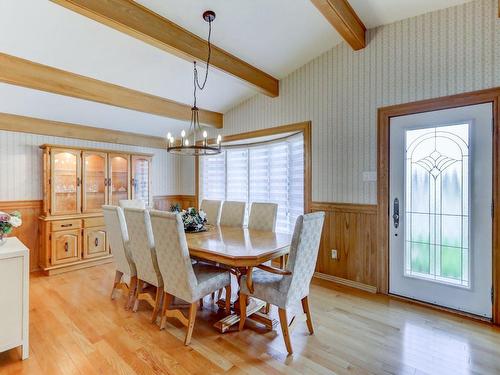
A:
<point x="132" y="203"/>
<point x="303" y="255"/>
<point x="116" y="231"/>
<point x="212" y="209"/>
<point x="232" y="214"/>
<point x="263" y="216"/>
<point x="173" y="254"/>
<point x="141" y="245"/>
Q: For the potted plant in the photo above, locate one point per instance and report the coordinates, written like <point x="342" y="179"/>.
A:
<point x="7" y="222"/>
<point x="193" y="220"/>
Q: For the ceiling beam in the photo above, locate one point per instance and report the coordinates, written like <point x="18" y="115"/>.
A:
<point x="345" y="20"/>
<point x="140" y="22"/>
<point x="21" y="72"/>
<point x="32" y="125"/>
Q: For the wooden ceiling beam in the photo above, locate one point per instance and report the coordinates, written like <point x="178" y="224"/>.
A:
<point x="140" y="22"/>
<point x="32" y="125"/>
<point x="21" y="72"/>
<point x="345" y="20"/>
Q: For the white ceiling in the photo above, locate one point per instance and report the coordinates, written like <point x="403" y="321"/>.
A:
<point x="278" y="36"/>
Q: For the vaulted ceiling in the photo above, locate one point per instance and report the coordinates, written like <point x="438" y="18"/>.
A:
<point x="275" y="36"/>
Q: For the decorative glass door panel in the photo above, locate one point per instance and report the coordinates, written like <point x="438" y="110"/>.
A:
<point x="120" y="178"/>
<point x="65" y="181"/>
<point x="141" y="178"/>
<point x="437" y="204"/>
<point x="95" y="181"/>
<point x="440" y="235"/>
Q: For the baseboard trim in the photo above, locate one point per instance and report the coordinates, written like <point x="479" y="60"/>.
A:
<point x="346" y="282"/>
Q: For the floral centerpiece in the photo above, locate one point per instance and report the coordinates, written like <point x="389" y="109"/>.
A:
<point x="7" y="222"/>
<point x="194" y="220"/>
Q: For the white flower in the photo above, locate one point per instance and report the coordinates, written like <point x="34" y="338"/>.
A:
<point x="203" y="215"/>
<point x="15" y="221"/>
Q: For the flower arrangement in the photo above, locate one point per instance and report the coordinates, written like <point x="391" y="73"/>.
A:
<point x="194" y="220"/>
<point x="9" y="221"/>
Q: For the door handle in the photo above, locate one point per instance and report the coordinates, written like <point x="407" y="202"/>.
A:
<point x="66" y="247"/>
<point x="395" y="215"/>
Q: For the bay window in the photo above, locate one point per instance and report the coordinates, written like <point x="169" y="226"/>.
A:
<point x="270" y="171"/>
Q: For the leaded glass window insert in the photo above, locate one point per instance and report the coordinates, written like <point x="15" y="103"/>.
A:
<point x="437" y="204"/>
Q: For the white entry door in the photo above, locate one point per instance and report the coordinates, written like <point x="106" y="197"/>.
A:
<point x="440" y="247"/>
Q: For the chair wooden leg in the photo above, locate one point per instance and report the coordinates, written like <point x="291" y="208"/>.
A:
<point x="167" y="300"/>
<point x="284" y="329"/>
<point x="219" y="294"/>
<point x="243" y="310"/>
<point x="228" y="299"/>
<point x="158" y="300"/>
<point x="140" y="285"/>
<point x="213" y="296"/>
<point x="307" y="311"/>
<point x="118" y="278"/>
<point x="131" y="292"/>
<point x="192" y="318"/>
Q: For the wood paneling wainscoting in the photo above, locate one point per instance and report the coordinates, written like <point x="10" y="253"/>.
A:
<point x="31" y="209"/>
<point x="28" y="232"/>
<point x="164" y="202"/>
<point x="351" y="229"/>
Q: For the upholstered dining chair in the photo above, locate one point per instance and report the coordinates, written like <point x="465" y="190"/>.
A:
<point x="142" y="247"/>
<point x="132" y="203"/>
<point x="263" y="216"/>
<point x="285" y="287"/>
<point x="183" y="279"/>
<point x="212" y="209"/>
<point x="117" y="233"/>
<point x="232" y="214"/>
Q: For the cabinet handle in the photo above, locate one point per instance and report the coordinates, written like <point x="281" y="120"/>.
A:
<point x="96" y="242"/>
<point x="66" y="247"/>
<point x="66" y="225"/>
<point x="78" y="181"/>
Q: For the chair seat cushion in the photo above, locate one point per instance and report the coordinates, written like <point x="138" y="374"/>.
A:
<point x="210" y="279"/>
<point x="266" y="287"/>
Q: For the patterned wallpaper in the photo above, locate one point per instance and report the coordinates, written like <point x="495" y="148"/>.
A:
<point x="21" y="165"/>
<point x="440" y="53"/>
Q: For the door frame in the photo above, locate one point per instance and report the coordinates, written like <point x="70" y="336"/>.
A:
<point x="383" y="126"/>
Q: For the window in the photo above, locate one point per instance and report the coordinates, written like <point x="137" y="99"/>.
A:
<point x="268" y="172"/>
<point x="437" y="204"/>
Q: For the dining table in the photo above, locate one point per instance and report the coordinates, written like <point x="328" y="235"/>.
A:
<point x="239" y="250"/>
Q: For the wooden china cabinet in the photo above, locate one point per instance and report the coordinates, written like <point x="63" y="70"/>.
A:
<point x="77" y="182"/>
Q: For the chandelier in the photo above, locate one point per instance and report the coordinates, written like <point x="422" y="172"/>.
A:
<point x="189" y="144"/>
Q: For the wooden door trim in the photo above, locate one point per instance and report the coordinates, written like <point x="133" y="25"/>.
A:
<point x="301" y="127"/>
<point x="384" y="115"/>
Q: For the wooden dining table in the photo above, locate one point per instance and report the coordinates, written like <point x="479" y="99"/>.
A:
<point x="239" y="250"/>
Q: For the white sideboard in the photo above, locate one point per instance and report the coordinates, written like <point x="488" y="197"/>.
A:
<point x="14" y="296"/>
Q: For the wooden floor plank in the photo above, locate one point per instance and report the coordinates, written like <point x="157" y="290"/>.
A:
<point x="75" y="328"/>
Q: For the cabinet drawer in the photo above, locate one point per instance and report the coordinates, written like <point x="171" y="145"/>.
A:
<point x="94" y="242"/>
<point x="66" y="225"/>
<point x="66" y="246"/>
<point x="93" y="222"/>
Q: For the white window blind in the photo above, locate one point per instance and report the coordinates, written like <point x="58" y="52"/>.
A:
<point x="270" y="172"/>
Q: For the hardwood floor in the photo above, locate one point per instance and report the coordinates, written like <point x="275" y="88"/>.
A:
<point x="77" y="329"/>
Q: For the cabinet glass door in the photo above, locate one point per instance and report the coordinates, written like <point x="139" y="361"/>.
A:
<point x="120" y="178"/>
<point x="65" y="181"/>
<point x="95" y="181"/>
<point x="141" y="178"/>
